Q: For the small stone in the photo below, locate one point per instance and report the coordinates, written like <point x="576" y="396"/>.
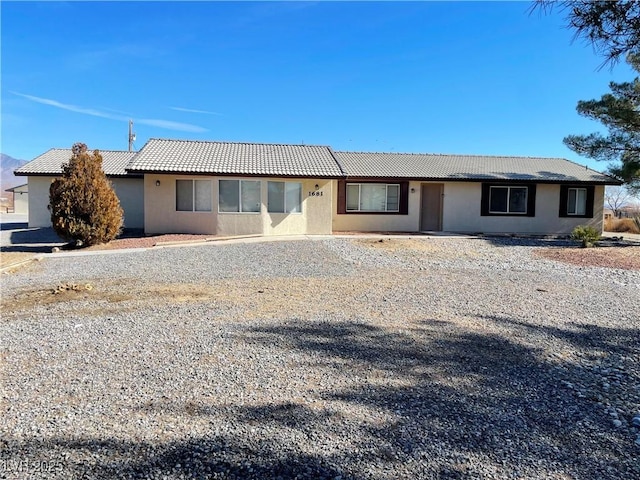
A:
<point x="617" y="423"/>
<point x="635" y="421"/>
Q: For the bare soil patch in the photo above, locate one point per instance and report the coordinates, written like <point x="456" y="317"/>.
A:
<point x="9" y="258"/>
<point x="627" y="258"/>
<point x="148" y="242"/>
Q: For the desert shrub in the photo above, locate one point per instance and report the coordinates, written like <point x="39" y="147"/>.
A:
<point x="621" y="225"/>
<point x="84" y="208"/>
<point x="586" y="234"/>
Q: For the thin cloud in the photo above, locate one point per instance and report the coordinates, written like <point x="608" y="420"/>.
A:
<point x="169" y="125"/>
<point x="71" y="108"/>
<point x="154" y="122"/>
<point x="193" y="110"/>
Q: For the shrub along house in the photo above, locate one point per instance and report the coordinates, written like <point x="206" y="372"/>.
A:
<point x="43" y="169"/>
<point x="226" y="188"/>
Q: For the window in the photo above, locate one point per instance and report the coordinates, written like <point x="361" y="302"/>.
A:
<point x="193" y="195"/>
<point x="239" y="196"/>
<point x="373" y="197"/>
<point x="284" y="197"/>
<point x="577" y="201"/>
<point x="508" y="200"/>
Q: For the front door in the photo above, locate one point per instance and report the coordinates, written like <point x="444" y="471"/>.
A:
<point x="431" y="207"/>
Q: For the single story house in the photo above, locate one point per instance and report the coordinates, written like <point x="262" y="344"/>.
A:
<point x="232" y="188"/>
<point x="43" y="169"/>
<point x="20" y="198"/>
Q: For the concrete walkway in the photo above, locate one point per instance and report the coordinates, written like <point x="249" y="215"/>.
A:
<point x="633" y="237"/>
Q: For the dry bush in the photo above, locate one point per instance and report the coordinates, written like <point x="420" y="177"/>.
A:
<point x="84" y="207"/>
<point x="621" y="225"/>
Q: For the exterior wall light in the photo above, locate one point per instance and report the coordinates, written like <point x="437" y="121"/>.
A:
<point x="317" y="187"/>
<point x="413" y="190"/>
<point x="157" y="183"/>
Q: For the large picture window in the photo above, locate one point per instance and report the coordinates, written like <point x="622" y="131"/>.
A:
<point x="193" y="195"/>
<point x="239" y="196"/>
<point x="373" y="197"/>
<point x="500" y="199"/>
<point x="284" y="197"/>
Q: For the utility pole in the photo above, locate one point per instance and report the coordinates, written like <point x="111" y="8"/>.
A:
<point x="132" y="136"/>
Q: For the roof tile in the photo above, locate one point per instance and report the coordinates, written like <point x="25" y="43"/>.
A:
<point x="228" y="158"/>
<point x="50" y="162"/>
<point x="466" y="167"/>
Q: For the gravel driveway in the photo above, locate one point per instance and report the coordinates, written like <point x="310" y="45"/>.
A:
<point x="341" y="358"/>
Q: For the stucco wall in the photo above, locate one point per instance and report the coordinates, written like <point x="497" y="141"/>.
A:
<point x="376" y="223"/>
<point x="461" y="213"/>
<point x="21" y="202"/>
<point x="161" y="215"/>
<point x="39" y="215"/>
<point x="129" y="190"/>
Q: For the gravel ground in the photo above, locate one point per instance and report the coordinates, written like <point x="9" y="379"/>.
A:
<point x="340" y="358"/>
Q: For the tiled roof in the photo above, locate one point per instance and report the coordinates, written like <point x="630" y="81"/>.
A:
<point x="466" y="167"/>
<point x="229" y="158"/>
<point x="50" y="162"/>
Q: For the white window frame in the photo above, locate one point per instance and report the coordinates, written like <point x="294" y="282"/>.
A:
<point x="284" y="202"/>
<point x="240" y="212"/>
<point x="193" y="195"/>
<point x="386" y="199"/>
<point x="508" y="211"/>
<point x="575" y="191"/>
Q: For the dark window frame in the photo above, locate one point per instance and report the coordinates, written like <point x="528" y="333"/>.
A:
<point x="403" y="198"/>
<point x="486" y="195"/>
<point x="564" y="201"/>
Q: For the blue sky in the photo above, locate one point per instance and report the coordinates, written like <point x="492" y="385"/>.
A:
<point x="451" y="77"/>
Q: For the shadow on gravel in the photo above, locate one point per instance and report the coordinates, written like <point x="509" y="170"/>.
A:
<point x="459" y="396"/>
<point x="201" y="458"/>
<point x="431" y="401"/>
<point x="509" y="241"/>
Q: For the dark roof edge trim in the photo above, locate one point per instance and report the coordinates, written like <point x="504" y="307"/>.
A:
<point x="227" y="174"/>
<point x="485" y="180"/>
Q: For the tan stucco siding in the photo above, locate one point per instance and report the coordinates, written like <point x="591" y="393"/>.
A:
<point x="39" y="215"/>
<point x="315" y="218"/>
<point x="130" y="192"/>
<point x="21" y="202"/>
<point x="376" y="223"/>
<point x="161" y="215"/>
<point x="461" y="212"/>
<point x="160" y="208"/>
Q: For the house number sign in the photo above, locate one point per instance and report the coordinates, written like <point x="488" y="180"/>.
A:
<point x="318" y="193"/>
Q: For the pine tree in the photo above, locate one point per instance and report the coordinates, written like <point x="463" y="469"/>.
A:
<point x="84" y="207"/>
<point x="619" y="112"/>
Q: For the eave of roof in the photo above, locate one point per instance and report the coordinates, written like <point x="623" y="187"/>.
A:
<point x="166" y="156"/>
<point x="468" y="168"/>
<point x="50" y="163"/>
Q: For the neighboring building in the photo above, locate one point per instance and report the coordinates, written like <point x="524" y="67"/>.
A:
<point x="629" y="211"/>
<point x="42" y="170"/>
<point x="20" y="198"/>
<point x="608" y="214"/>
<point x="227" y="188"/>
